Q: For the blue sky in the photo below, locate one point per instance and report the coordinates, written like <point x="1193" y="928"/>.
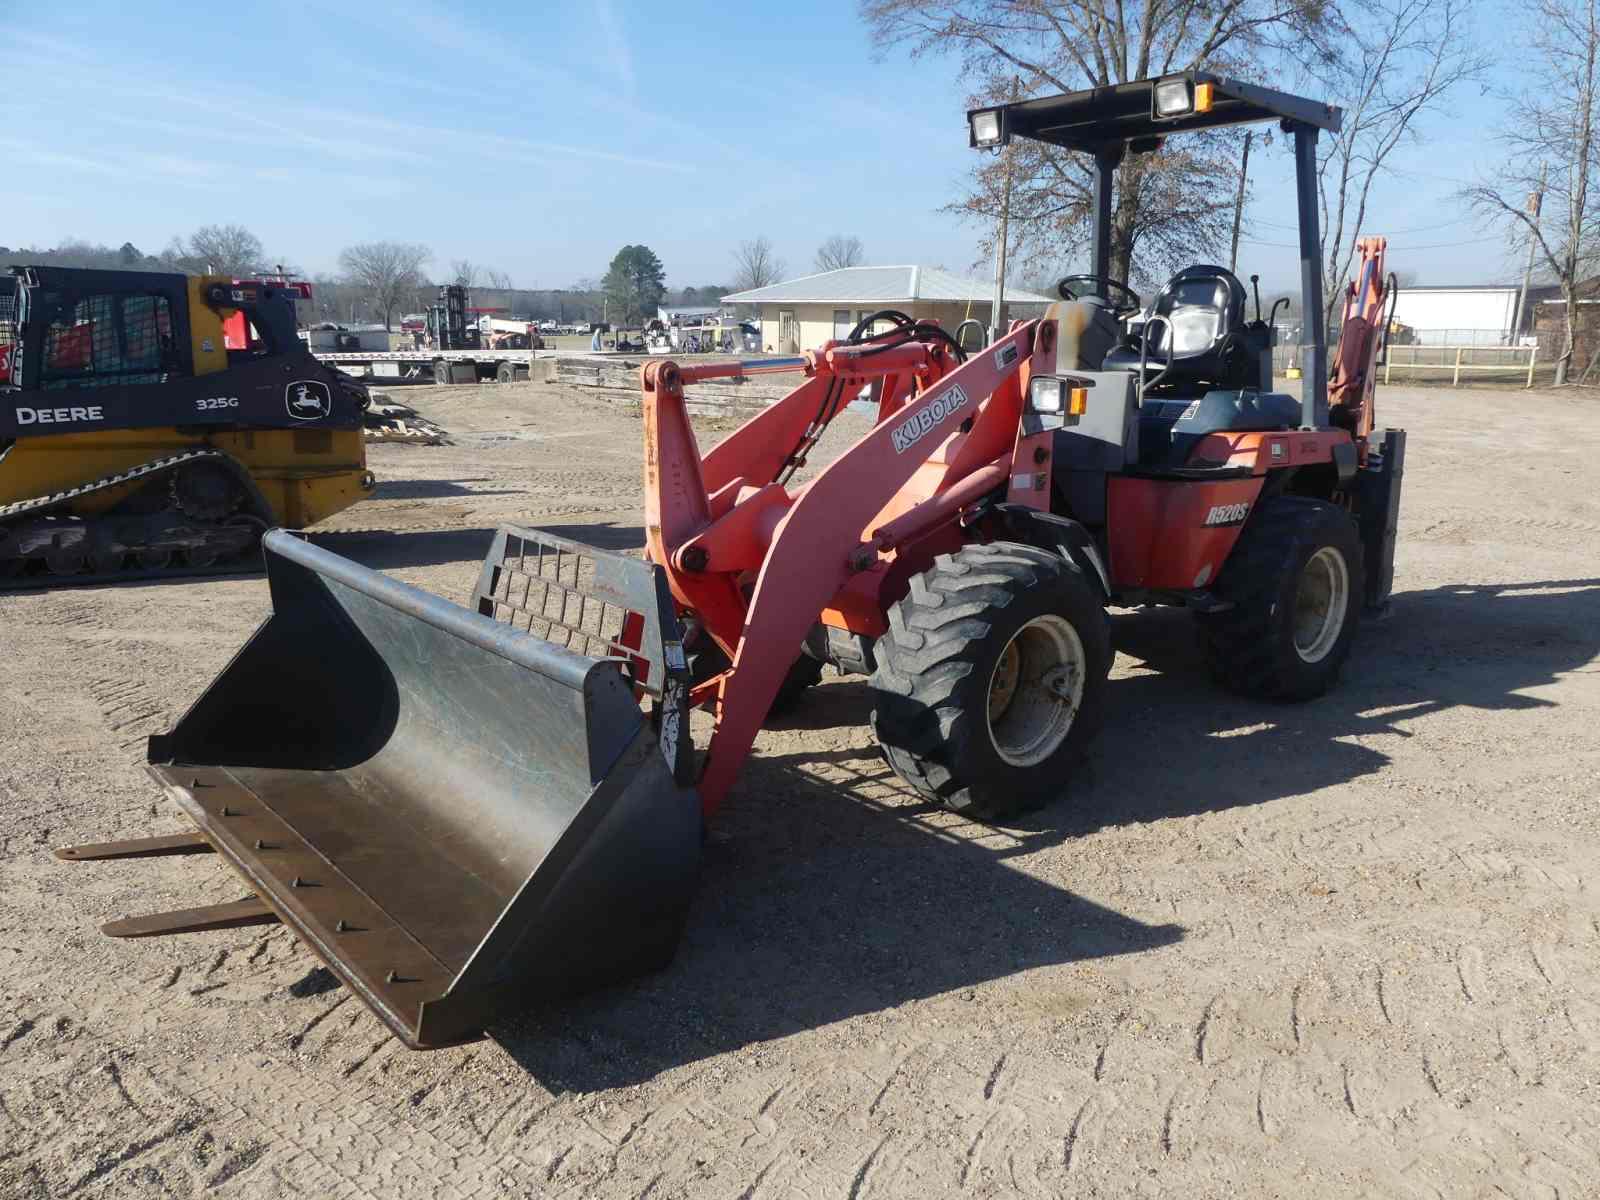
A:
<point x="539" y="138"/>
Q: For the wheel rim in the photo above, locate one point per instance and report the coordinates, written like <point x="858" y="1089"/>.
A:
<point x="1320" y="603"/>
<point x="1035" y="690"/>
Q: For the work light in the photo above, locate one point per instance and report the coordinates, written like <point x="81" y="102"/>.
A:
<point x="1057" y="397"/>
<point x="986" y="128"/>
<point x="1178" y="98"/>
<point x="1173" y="98"/>
<point x="1047" y="395"/>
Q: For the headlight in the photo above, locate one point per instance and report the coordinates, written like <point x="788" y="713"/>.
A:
<point x="1172" y="98"/>
<point x="986" y="128"/>
<point x="1057" y="397"/>
<point x="1047" y="395"/>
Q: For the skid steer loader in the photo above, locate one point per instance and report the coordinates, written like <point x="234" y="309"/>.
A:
<point x="457" y="809"/>
<point x="134" y="442"/>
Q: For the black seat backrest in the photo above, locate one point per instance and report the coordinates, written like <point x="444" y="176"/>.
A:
<point x="1204" y="305"/>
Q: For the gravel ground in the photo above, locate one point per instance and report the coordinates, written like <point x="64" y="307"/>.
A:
<point x="1340" y="949"/>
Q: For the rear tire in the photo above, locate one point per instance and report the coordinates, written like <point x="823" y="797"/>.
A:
<point x="505" y="373"/>
<point x="1295" y="581"/>
<point x="991" y="678"/>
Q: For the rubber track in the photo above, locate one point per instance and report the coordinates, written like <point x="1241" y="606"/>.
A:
<point x="42" y="504"/>
<point x="23" y="508"/>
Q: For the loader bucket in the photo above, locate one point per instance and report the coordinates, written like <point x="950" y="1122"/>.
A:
<point x="453" y="812"/>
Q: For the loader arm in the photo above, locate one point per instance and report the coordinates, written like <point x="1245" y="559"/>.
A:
<point x="813" y="538"/>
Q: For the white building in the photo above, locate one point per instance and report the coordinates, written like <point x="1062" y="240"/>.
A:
<point x="1459" y="316"/>
<point x="802" y="314"/>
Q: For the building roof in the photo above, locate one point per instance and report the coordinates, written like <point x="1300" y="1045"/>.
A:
<point x="880" y="285"/>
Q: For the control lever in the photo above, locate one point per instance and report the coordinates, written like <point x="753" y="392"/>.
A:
<point x="1255" y="284"/>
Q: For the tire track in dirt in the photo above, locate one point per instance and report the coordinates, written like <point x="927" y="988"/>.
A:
<point x="131" y="708"/>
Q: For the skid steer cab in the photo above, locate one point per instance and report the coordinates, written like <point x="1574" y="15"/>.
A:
<point x="155" y="424"/>
<point x="459" y="809"/>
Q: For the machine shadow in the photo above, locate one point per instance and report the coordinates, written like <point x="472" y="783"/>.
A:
<point x="1478" y="646"/>
<point x="828" y="893"/>
<point x="818" y="901"/>
<point x="435" y="489"/>
<point x="383" y="550"/>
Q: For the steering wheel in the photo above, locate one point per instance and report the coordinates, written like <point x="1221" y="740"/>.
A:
<point x="1102" y="285"/>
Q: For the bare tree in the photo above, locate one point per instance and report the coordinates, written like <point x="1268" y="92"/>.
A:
<point x="1552" y="124"/>
<point x="1172" y="204"/>
<point x="217" y="250"/>
<point x="755" y="265"/>
<point x="588" y="299"/>
<point x="499" y="280"/>
<point x="464" y="273"/>
<point x="1399" y="62"/>
<point x="386" y="272"/>
<point x="839" y="251"/>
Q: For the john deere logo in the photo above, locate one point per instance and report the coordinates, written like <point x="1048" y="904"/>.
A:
<point x="309" y="400"/>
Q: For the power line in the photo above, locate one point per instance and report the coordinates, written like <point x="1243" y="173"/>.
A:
<point x="1442" y="245"/>
<point x="1402" y="246"/>
<point x="1413" y="229"/>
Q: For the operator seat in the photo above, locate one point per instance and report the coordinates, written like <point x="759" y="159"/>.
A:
<point x="1205" y="306"/>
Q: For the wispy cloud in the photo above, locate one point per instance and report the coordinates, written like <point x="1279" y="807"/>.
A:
<point x="125" y="163"/>
<point x="18" y="150"/>
<point x="291" y="127"/>
<point x="523" y="70"/>
<point x="616" y="46"/>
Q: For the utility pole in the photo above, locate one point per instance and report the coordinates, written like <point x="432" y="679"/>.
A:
<point x="1535" y="203"/>
<point x="1238" y="204"/>
<point x="995" y="331"/>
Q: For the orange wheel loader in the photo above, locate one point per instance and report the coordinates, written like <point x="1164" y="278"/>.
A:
<point x="460" y="809"/>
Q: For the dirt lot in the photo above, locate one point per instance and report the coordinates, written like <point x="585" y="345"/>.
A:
<point x="1343" y="949"/>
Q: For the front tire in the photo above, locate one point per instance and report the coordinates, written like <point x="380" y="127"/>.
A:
<point x="1295" y="583"/>
<point x="991" y="678"/>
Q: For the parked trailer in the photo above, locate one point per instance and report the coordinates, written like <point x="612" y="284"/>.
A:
<point x="441" y="366"/>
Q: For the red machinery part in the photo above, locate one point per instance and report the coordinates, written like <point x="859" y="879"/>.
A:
<point x="711" y="520"/>
<point x="1362" y="336"/>
<point x="1173" y="534"/>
